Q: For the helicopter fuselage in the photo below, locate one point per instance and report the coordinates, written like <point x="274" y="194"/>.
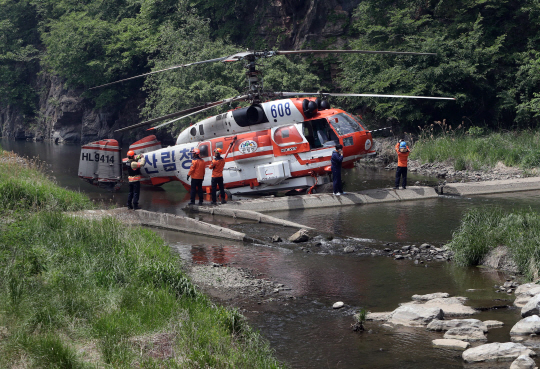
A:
<point x="274" y="145"/>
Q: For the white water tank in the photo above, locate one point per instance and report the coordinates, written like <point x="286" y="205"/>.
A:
<point x="274" y="173"/>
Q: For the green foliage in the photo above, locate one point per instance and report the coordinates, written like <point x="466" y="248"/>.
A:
<point x="481" y="47"/>
<point x="478" y="150"/>
<point x="481" y="230"/>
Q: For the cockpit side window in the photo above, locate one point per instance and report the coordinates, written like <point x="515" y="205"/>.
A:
<point x="344" y="124"/>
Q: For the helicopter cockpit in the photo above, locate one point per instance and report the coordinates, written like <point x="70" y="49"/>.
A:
<point x="321" y="132"/>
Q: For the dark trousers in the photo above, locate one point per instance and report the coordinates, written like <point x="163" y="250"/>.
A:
<point x="196" y="188"/>
<point x="338" y="185"/>
<point x="134" y="191"/>
<point x="401" y="172"/>
<point x="215" y="182"/>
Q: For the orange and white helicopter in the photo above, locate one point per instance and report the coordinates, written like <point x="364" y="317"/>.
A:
<point x="282" y="141"/>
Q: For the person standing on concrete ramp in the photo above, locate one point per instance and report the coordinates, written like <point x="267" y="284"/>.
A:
<point x="217" y="177"/>
<point x="337" y="159"/>
<point x="403" y="152"/>
<point x="196" y="172"/>
<point x="134" y="165"/>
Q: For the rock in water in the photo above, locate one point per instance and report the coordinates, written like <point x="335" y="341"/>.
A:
<point x="523" y="362"/>
<point x="276" y="238"/>
<point x="532" y="307"/>
<point x="430" y="296"/>
<point x="444" y="325"/>
<point x="415" y="315"/>
<point x="466" y="334"/>
<point x="451" y="344"/>
<point x="338" y="305"/>
<point x="526" y="326"/>
<point x="300" y="236"/>
<point x="493" y="324"/>
<point x="497" y="352"/>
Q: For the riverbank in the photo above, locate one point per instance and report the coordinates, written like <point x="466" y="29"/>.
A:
<point x="456" y="161"/>
<point x="71" y="296"/>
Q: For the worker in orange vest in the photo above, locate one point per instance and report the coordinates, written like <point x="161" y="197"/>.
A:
<point x="403" y="152"/>
<point x="196" y="172"/>
<point x="217" y="177"/>
<point x="134" y="165"/>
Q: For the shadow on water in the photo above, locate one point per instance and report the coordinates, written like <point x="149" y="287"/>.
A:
<point x="304" y="330"/>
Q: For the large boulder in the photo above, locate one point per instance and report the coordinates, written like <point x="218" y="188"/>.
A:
<point x="451" y="344"/>
<point x="525" y="292"/>
<point x="493" y="352"/>
<point x="523" y="362"/>
<point x="415" y="315"/>
<point x="526" y="326"/>
<point x="532" y="307"/>
<point x="379" y="316"/>
<point x="444" y="325"/>
<point x="500" y="258"/>
<point x="430" y="296"/>
<point x="466" y="334"/>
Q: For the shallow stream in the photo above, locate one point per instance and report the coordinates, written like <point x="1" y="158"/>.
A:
<point x="304" y="330"/>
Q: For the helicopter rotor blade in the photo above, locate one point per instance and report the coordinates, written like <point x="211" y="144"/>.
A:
<point x="213" y="105"/>
<point x="291" y="52"/>
<point x="168" y="116"/>
<point x="159" y="71"/>
<point x="363" y="95"/>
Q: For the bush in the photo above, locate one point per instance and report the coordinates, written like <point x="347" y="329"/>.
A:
<point x="481" y="230"/>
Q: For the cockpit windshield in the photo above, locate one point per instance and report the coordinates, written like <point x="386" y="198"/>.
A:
<point x="344" y="124"/>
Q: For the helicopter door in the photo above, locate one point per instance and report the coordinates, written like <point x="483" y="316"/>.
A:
<point x="288" y="140"/>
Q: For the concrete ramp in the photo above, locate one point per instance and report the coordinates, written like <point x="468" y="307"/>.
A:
<point x="491" y="187"/>
<point x="316" y="201"/>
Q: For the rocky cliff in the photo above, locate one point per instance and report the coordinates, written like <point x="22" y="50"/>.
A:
<point x="63" y="115"/>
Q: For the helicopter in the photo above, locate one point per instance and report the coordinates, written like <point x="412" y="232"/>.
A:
<point x="281" y="141"/>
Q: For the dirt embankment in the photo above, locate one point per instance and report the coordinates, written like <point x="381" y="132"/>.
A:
<point x="386" y="158"/>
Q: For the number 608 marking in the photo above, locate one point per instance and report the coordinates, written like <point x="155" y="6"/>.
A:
<point x="281" y="110"/>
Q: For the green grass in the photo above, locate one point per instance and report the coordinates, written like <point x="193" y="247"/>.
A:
<point x="24" y="186"/>
<point x="481" y="230"/>
<point x="81" y="293"/>
<point x="70" y="283"/>
<point x="478" y="151"/>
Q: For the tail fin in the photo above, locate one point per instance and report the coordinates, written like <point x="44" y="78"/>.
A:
<point x="100" y="163"/>
<point x="149" y="143"/>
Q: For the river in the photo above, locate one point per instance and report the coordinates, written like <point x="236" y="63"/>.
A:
<point x="305" y="331"/>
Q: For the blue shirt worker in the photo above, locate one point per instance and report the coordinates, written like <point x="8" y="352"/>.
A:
<point x="403" y="152"/>
<point x="337" y="159"/>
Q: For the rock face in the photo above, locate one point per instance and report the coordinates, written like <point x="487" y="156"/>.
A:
<point x="532" y="307"/>
<point x="500" y="258"/>
<point x="451" y="344"/>
<point x="523" y="362"/>
<point x="526" y="326"/>
<point x="300" y="236"/>
<point x="415" y="315"/>
<point x="430" y="296"/>
<point x="493" y="352"/>
<point x="444" y="325"/>
<point x="466" y="334"/>
<point x="65" y="116"/>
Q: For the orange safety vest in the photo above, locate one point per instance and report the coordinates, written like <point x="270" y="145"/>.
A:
<point x="402" y="156"/>
<point x="217" y="167"/>
<point x="197" y="169"/>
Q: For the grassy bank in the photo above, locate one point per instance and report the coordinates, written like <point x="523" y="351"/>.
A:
<point x="475" y="150"/>
<point x="79" y="293"/>
<point x="481" y="230"/>
<point x="24" y="187"/>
